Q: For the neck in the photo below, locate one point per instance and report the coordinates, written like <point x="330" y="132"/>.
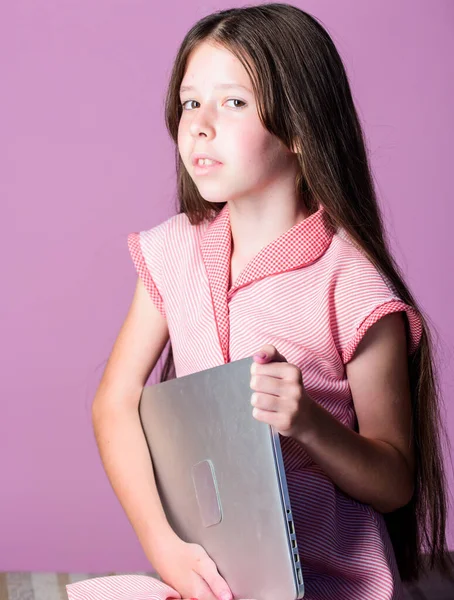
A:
<point x="255" y="225"/>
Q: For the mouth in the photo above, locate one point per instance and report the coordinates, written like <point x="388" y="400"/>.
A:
<point x="205" y="166"/>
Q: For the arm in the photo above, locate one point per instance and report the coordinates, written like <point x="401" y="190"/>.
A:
<point x="121" y="442"/>
<point x="126" y="458"/>
<point x="376" y="465"/>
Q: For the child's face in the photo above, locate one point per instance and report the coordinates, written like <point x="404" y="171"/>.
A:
<point x="212" y="122"/>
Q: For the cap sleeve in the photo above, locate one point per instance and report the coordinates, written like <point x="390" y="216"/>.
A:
<point x="362" y="296"/>
<point x="414" y="326"/>
<point x="146" y="249"/>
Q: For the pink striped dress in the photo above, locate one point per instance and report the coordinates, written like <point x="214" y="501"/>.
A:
<point x="313" y="294"/>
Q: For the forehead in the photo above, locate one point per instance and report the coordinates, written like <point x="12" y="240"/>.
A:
<point x="209" y="64"/>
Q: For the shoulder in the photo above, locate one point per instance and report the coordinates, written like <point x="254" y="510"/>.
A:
<point x="359" y="296"/>
<point x="352" y="272"/>
<point x="178" y="224"/>
<point x="161" y="252"/>
<point x="176" y="228"/>
<point x="169" y="248"/>
<point x="175" y="233"/>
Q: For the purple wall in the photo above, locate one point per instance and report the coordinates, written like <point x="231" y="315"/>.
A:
<point x="85" y="159"/>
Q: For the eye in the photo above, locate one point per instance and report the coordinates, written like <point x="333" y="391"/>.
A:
<point x="183" y="103"/>
<point x="230" y="100"/>
<point x="237" y="100"/>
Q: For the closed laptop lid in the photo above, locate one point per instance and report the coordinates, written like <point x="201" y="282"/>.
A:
<point x="217" y="471"/>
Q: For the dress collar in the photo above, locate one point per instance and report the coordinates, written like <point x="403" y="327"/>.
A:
<point x="298" y="247"/>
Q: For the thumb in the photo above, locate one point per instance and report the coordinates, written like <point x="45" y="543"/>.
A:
<point x="268" y="353"/>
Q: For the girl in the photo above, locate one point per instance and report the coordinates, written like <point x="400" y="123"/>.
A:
<point x="278" y="251"/>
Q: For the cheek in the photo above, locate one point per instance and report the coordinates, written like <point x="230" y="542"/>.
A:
<point x="183" y="143"/>
<point x="253" y="144"/>
<point x="181" y="136"/>
<point x="260" y="153"/>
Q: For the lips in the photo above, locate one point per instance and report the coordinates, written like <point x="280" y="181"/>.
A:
<point x="196" y="157"/>
<point x="205" y="170"/>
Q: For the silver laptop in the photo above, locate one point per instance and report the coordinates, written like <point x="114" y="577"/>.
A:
<point x="221" y="479"/>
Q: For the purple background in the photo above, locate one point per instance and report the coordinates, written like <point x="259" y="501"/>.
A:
<point x="85" y="159"/>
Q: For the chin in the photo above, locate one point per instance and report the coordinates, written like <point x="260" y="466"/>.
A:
<point x="213" y="197"/>
<point x="214" y="200"/>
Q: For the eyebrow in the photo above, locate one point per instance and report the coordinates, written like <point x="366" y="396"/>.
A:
<point x="219" y="86"/>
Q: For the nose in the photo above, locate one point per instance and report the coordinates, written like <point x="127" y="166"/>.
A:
<point x="202" y="124"/>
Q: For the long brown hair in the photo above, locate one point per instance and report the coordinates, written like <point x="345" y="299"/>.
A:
<point x="304" y="97"/>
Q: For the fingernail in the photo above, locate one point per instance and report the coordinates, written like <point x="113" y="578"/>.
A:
<point x="258" y="355"/>
<point x="226" y="596"/>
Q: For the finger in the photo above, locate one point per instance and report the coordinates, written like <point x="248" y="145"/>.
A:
<point x="266" y="385"/>
<point x="279" y="421"/>
<point x="217" y="584"/>
<point x="204" y="592"/>
<point x="265" y="402"/>
<point x="266" y="416"/>
<point x="286" y="409"/>
<point x="279" y="370"/>
<point x="268" y="353"/>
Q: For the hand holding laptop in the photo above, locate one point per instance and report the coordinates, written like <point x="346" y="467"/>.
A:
<point x="279" y="398"/>
<point x="188" y="568"/>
